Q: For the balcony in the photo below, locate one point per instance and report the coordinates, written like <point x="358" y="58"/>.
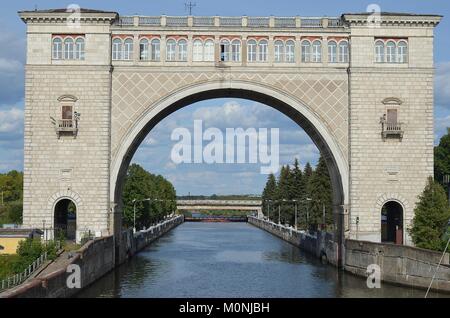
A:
<point x="66" y="127"/>
<point x="391" y="130"/>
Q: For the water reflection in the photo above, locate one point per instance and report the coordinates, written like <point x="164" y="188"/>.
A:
<point x="231" y="260"/>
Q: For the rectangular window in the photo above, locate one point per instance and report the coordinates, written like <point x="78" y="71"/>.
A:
<point x="391" y="116"/>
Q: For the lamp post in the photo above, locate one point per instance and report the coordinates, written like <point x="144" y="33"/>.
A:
<point x="295" y="202"/>
<point x="134" y="211"/>
<point x="307" y="210"/>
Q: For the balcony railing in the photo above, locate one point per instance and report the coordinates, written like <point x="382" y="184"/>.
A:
<point x="66" y="126"/>
<point x="392" y="130"/>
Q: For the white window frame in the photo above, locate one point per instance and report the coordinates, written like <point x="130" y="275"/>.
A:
<point x="79" y="48"/>
<point x="225" y="54"/>
<point x="306" y="51"/>
<point x="171" y="50"/>
<point x="332" y="54"/>
<point x="263" y="50"/>
<point x="144" y="52"/>
<point x="182" y="48"/>
<point x="252" y="48"/>
<point x="208" y="50"/>
<point x="343" y="48"/>
<point x="236" y="50"/>
<point x="316" y="54"/>
<point x="278" y="51"/>
<point x="380" y="55"/>
<point x="391" y="52"/>
<point x="117" y="49"/>
<point x="128" y="47"/>
<point x="197" y="51"/>
<point x="155" y="50"/>
<point x="57" y="54"/>
<point x="402" y="51"/>
<point x="69" y="48"/>
<point x="289" y="51"/>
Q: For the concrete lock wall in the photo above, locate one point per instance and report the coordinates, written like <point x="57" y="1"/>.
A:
<point x="321" y="244"/>
<point x="95" y="259"/>
<point x="399" y="264"/>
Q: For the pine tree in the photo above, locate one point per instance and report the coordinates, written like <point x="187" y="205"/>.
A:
<point x="431" y="215"/>
<point x="442" y="159"/>
<point x="285" y="186"/>
<point x="321" y="195"/>
<point x="269" y="195"/>
<point x="298" y="190"/>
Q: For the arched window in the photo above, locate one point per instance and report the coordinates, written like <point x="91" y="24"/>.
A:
<point x="251" y="51"/>
<point x="197" y="51"/>
<point x="343" y="52"/>
<point x="68" y="49"/>
<point x="117" y="49"/>
<point x="182" y="50"/>
<point x="402" y="52"/>
<point x="128" y="49"/>
<point x="171" y="50"/>
<point x="57" y="49"/>
<point x="332" y="52"/>
<point x="379" y="51"/>
<point x="263" y="48"/>
<point x="155" y="50"/>
<point x="391" y="52"/>
<point x="236" y="50"/>
<point x="143" y="48"/>
<point x="317" y="51"/>
<point x="209" y="51"/>
<point x="306" y="51"/>
<point x="290" y="51"/>
<point x="224" y="50"/>
<point x="279" y="51"/>
<point x="79" y="49"/>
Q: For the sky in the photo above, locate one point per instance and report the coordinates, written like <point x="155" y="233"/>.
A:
<point x="154" y="153"/>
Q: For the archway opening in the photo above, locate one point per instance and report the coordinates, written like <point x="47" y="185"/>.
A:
<point x="392" y="223"/>
<point x="65" y="220"/>
<point x="331" y="149"/>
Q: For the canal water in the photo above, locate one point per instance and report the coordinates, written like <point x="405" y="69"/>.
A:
<point x="231" y="260"/>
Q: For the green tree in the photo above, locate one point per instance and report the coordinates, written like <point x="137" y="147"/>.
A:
<point x="298" y="184"/>
<point x="284" y="193"/>
<point x="269" y="193"/>
<point x="431" y="215"/>
<point x="141" y="185"/>
<point x="11" y="193"/>
<point x="321" y="195"/>
<point x="442" y="159"/>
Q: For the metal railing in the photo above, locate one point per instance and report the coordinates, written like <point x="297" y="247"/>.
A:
<point x="288" y="22"/>
<point x="335" y="23"/>
<point x="311" y="23"/>
<point x="203" y="21"/>
<point x="259" y="22"/>
<point x="230" y="21"/>
<point x="156" y="21"/>
<point x="176" y="21"/>
<point x="21" y="277"/>
<point x="236" y="21"/>
<point x="66" y="123"/>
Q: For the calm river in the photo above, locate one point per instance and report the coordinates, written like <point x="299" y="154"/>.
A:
<point x="231" y="260"/>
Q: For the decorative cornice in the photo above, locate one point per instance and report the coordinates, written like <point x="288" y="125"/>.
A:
<point x="392" y="19"/>
<point x="30" y="17"/>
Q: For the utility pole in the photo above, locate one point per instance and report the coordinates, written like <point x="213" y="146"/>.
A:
<point x="189" y="6"/>
<point x="279" y="213"/>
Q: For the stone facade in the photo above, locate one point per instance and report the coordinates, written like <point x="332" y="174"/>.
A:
<point x="338" y="104"/>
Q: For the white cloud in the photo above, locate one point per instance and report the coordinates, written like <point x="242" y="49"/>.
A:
<point x="11" y="120"/>
<point x="10" y="66"/>
<point x="442" y="84"/>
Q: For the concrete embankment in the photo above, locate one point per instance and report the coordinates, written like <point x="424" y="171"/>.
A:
<point x="399" y="264"/>
<point x="95" y="259"/>
<point x="321" y="244"/>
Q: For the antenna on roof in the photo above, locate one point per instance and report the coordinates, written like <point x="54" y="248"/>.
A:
<point x="188" y="6"/>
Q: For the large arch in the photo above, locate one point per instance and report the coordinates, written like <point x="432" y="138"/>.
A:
<point x="298" y="111"/>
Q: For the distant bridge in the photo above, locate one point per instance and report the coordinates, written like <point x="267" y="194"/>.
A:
<point x="240" y="205"/>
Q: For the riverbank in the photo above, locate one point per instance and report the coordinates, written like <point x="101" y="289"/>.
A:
<point x="399" y="264"/>
<point x="92" y="261"/>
